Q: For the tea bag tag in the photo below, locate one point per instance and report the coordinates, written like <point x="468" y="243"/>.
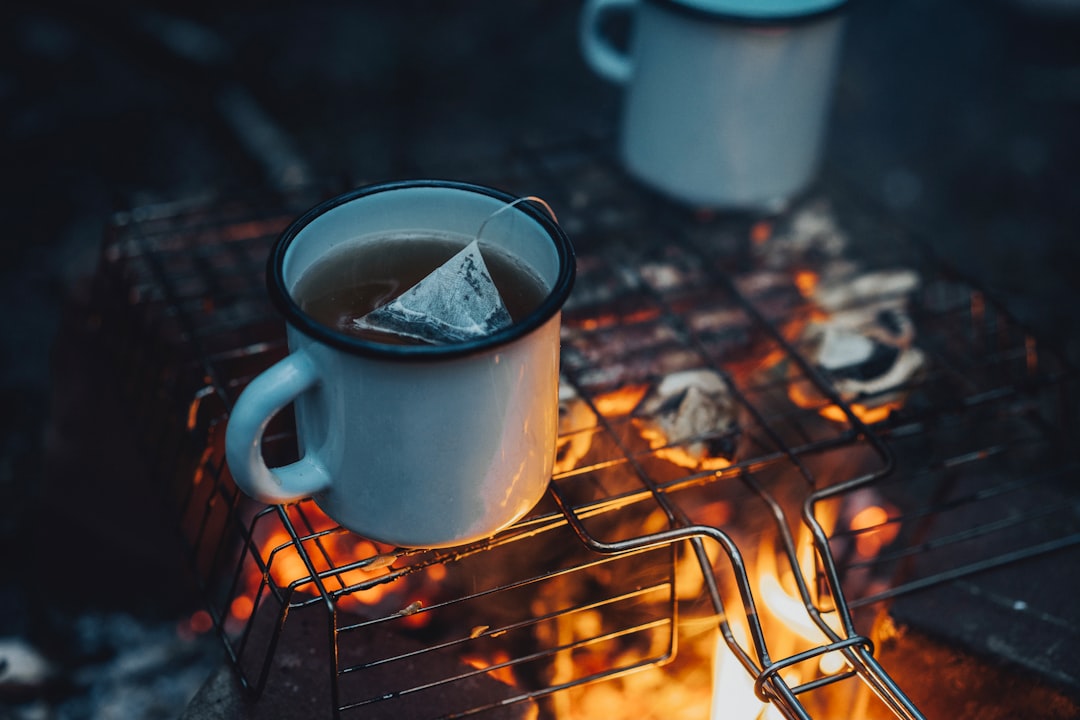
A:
<point x="457" y="301"/>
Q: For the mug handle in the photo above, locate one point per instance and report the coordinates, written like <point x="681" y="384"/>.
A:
<point x="602" y="56"/>
<point x="263" y="398"/>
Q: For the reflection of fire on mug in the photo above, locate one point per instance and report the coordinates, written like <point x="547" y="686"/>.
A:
<point x="577" y="423"/>
<point x="725" y="101"/>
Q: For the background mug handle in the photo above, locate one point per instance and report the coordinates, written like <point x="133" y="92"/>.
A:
<point x="607" y="61"/>
<point x="264" y="397"/>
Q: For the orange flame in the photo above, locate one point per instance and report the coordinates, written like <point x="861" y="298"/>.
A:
<point x="807" y="282"/>
<point x="621" y="402"/>
<point x="345" y="561"/>
<point x="342" y="562"/>
<point x="803" y="396"/>
<point x="790" y="630"/>
<point x="500" y="669"/>
<point x="869" y="415"/>
<point x="685" y="457"/>
<point x="873" y="530"/>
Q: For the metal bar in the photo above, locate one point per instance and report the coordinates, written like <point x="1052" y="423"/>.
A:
<point x="1012" y="368"/>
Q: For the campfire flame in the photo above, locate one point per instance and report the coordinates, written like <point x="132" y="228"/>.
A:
<point x="710" y="679"/>
<point x="362" y="575"/>
<point x="790" y="629"/>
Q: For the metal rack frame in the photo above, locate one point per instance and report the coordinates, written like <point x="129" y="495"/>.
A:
<point x="183" y="307"/>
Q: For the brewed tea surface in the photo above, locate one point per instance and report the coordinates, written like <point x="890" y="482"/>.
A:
<point x="358" y="278"/>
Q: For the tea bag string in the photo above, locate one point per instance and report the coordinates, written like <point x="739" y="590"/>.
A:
<point x="532" y="198"/>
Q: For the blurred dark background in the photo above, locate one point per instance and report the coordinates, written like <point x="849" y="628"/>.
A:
<point x="961" y="117"/>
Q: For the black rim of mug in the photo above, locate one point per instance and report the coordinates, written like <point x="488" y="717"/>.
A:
<point x="681" y="7"/>
<point x="290" y="309"/>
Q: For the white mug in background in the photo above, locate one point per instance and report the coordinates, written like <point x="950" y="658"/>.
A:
<point x="725" y="101"/>
<point x="413" y="445"/>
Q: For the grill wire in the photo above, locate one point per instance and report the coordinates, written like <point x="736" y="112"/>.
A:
<point x="592" y="585"/>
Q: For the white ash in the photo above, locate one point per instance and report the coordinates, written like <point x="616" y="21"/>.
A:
<point x="867" y="361"/>
<point x="22" y="666"/>
<point x="720" y="322"/>
<point x="662" y="276"/>
<point x="812" y="233"/>
<point x="694" y="407"/>
<point x="764" y="282"/>
<point x="866" y="343"/>
<point x="840" y="348"/>
<point x="873" y="288"/>
<point x="115" y="666"/>
<point x="673" y="272"/>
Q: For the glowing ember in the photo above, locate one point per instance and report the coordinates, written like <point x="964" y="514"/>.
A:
<point x="241" y="607"/>
<point x="760" y="232"/>
<point x="868" y="415"/>
<point x="806" y="281"/>
<point x="343" y="562"/>
<point x="621" y="402"/>
<point x="201" y="622"/>
<point x="497" y="667"/>
<point x="858" y="332"/>
<point x="689" y="418"/>
<point x="873" y="530"/>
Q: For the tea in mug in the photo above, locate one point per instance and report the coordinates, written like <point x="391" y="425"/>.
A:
<point x="360" y="277"/>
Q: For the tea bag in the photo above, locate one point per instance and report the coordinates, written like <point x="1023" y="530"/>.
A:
<point x="458" y="301"/>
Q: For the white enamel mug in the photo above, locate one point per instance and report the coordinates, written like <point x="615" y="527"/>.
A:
<point x="413" y="445"/>
<point x="725" y="102"/>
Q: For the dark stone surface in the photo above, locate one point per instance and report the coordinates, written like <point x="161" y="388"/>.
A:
<point x="965" y="686"/>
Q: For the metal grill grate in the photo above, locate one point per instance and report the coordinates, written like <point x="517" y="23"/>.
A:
<point x="637" y="553"/>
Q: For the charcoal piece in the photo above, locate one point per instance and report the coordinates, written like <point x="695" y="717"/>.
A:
<point x="865" y="343"/>
<point x="637" y="368"/>
<point x="865" y="361"/>
<point x="856" y="361"/>
<point x="812" y="235"/>
<point x="611" y="345"/>
<point x="774" y="294"/>
<point x="695" y="410"/>
<point x="669" y="269"/>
